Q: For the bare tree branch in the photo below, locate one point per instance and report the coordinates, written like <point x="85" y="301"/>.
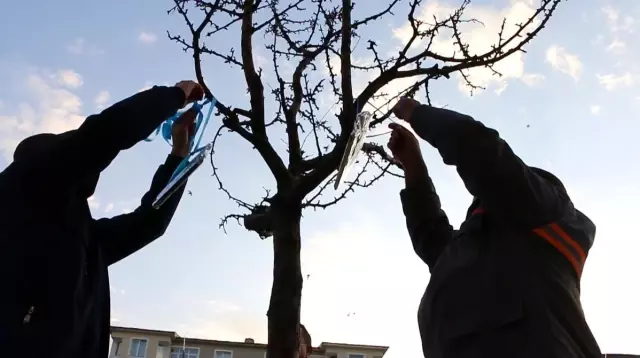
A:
<point x="311" y="83"/>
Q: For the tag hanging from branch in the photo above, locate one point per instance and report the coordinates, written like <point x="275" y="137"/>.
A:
<point x="354" y="145"/>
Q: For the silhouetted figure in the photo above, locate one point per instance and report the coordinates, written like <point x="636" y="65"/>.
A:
<point x="54" y="256"/>
<point x="507" y="283"/>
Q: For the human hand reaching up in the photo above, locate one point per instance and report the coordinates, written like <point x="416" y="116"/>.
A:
<point x="182" y="131"/>
<point x="193" y="92"/>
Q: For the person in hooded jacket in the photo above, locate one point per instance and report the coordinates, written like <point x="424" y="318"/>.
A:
<point x="55" y="256"/>
<point x="507" y="283"/>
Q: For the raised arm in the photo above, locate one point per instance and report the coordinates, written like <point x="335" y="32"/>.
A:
<point x="88" y="150"/>
<point x="489" y="168"/>
<point x="428" y="225"/>
<point x="125" y="234"/>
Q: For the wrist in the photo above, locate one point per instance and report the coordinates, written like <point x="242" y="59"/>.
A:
<point x="180" y="152"/>
<point x="415" y="172"/>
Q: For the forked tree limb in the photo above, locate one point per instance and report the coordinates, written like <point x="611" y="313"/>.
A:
<point x="305" y="32"/>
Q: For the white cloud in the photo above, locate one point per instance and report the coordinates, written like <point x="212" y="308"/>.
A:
<point x="565" y="62"/>
<point x="480" y="37"/>
<point x="68" y="78"/>
<point x="80" y="47"/>
<point x="595" y="110"/>
<point x="102" y="98"/>
<point x="616" y="22"/>
<point x="93" y="202"/>
<point x="109" y="207"/>
<point x="533" y="79"/>
<point x="350" y="282"/>
<point x="617" y="47"/>
<point x="51" y="108"/>
<point x="611" y="82"/>
<point x="147" y="37"/>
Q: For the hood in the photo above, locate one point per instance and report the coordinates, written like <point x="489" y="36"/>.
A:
<point x="39" y="143"/>
<point x="545" y="175"/>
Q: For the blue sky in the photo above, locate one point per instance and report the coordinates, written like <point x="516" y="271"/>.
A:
<point x="568" y="106"/>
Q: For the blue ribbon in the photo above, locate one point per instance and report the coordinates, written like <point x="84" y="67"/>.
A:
<point x="201" y="125"/>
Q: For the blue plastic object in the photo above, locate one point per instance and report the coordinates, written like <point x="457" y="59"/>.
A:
<point x="201" y="125"/>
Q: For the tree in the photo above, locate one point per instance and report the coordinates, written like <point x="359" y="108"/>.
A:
<point x="312" y="34"/>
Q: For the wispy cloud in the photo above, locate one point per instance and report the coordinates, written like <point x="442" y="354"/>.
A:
<point x="109" y="207"/>
<point x="102" y="98"/>
<point x="618" y="22"/>
<point x="532" y="80"/>
<point x="147" y="37"/>
<point x="617" y="47"/>
<point x="595" y="110"/>
<point x="480" y="36"/>
<point x="52" y="108"/>
<point x="612" y="82"/>
<point x="68" y="78"/>
<point x="79" y="47"/>
<point x="94" y="203"/>
<point x="565" y="62"/>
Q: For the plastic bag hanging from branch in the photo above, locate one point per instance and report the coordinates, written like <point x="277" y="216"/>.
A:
<point x="354" y="145"/>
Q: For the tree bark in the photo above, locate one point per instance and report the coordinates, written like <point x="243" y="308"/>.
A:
<point x="286" y="291"/>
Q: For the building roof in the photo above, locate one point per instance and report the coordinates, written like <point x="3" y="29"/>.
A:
<point x="249" y="343"/>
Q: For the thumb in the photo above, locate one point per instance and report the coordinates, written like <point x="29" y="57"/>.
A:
<point x="394" y="126"/>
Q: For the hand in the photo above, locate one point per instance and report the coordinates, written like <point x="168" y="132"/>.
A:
<point x="183" y="129"/>
<point x="405" y="107"/>
<point x="192" y="91"/>
<point x="405" y="147"/>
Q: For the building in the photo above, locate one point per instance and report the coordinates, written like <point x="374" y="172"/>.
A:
<point x="147" y="343"/>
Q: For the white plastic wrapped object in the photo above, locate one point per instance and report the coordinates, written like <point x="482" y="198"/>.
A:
<point x="354" y="145"/>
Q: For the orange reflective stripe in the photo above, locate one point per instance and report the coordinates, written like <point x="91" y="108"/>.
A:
<point x="582" y="256"/>
<point x="577" y="263"/>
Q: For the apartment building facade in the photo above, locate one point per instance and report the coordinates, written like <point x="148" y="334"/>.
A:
<point x="146" y="343"/>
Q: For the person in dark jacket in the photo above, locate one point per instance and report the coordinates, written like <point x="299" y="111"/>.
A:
<point x="507" y="283"/>
<point x="55" y="256"/>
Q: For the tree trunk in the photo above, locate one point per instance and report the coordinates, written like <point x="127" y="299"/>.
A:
<point x="286" y="291"/>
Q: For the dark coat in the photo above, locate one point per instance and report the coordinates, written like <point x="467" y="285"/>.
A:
<point x="507" y="283"/>
<point x="55" y="256"/>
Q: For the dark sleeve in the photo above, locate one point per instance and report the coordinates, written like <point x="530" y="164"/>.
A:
<point x="491" y="171"/>
<point x="125" y="234"/>
<point x="427" y="223"/>
<point x="90" y="149"/>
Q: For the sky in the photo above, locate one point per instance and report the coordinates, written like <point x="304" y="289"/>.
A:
<point x="567" y="105"/>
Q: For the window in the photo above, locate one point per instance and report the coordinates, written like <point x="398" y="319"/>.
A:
<point x="356" y="355"/>
<point x="223" y="354"/>
<point x="188" y="352"/>
<point x="138" y="347"/>
<point x="116" y="347"/>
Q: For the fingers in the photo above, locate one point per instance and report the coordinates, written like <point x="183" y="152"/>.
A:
<point x="188" y="116"/>
<point x="404" y="108"/>
<point x="197" y="93"/>
<point x="193" y="91"/>
<point x="395" y="142"/>
<point x="399" y="130"/>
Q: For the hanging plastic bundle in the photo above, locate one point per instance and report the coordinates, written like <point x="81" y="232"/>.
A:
<point x="197" y="153"/>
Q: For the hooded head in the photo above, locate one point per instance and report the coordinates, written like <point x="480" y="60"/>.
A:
<point x="545" y="175"/>
<point x="40" y="143"/>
